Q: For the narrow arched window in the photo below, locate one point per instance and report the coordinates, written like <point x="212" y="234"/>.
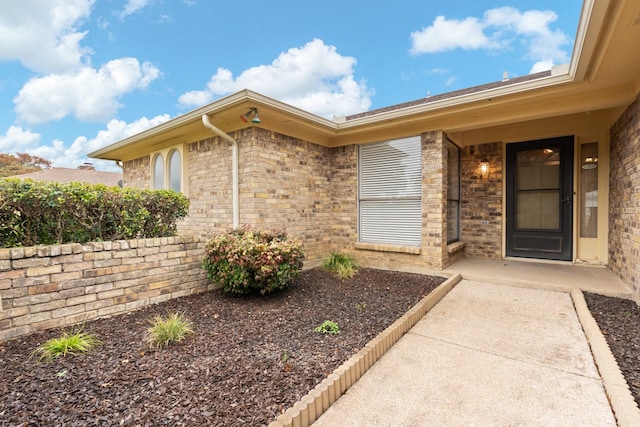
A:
<point x="175" y="171"/>
<point x="158" y="172"/>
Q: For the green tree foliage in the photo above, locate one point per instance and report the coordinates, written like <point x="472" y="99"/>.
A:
<point x="35" y="213"/>
<point x="249" y="260"/>
<point x="19" y="163"/>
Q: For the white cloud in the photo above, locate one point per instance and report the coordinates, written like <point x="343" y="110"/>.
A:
<point x="18" y="140"/>
<point x="498" y="29"/>
<point x="88" y="94"/>
<point x="43" y="35"/>
<point x="132" y="7"/>
<point x="314" y="77"/>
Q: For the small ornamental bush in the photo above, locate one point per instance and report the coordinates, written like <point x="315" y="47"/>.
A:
<point x="67" y="343"/>
<point x="342" y="265"/>
<point x="168" y="330"/>
<point x="250" y="260"/>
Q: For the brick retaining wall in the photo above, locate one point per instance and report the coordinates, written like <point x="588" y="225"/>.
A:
<point x="44" y="287"/>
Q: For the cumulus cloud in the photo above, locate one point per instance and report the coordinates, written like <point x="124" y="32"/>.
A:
<point x="89" y="94"/>
<point x="498" y="29"/>
<point x="314" y="77"/>
<point x="17" y="139"/>
<point x="44" y="36"/>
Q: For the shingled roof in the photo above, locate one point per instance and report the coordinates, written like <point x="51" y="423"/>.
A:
<point x="84" y="173"/>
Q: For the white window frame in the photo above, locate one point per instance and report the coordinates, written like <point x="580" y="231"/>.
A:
<point x="390" y="192"/>
<point x="166" y="160"/>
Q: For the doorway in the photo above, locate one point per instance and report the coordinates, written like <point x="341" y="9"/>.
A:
<point x="540" y="199"/>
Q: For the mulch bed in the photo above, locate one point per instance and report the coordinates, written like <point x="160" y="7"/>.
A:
<point x="619" y="321"/>
<point x="250" y="359"/>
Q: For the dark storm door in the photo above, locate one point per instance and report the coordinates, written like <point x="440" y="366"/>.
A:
<point x="540" y="199"/>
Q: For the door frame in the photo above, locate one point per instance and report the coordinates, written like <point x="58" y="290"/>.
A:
<point x="564" y="235"/>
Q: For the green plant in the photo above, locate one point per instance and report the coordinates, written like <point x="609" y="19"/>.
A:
<point x="627" y="315"/>
<point x="361" y="306"/>
<point x="67" y="343"/>
<point x="168" y="330"/>
<point x="328" y="327"/>
<point x="247" y="260"/>
<point x="342" y="265"/>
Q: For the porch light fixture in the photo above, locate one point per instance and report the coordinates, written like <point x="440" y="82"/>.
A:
<point x="245" y="116"/>
<point x="484" y="169"/>
<point x="590" y="163"/>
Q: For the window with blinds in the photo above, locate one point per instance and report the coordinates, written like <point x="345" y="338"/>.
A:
<point x="389" y="193"/>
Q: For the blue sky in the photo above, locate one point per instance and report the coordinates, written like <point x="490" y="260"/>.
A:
<point x="77" y="75"/>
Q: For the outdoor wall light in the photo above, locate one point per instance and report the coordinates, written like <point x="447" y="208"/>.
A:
<point x="245" y="116"/>
<point x="484" y="168"/>
<point x="590" y="163"/>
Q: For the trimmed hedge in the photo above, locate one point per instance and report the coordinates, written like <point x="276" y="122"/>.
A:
<point x="44" y="213"/>
<point x="250" y="260"/>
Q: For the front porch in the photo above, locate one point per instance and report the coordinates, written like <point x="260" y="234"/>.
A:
<point x="556" y="276"/>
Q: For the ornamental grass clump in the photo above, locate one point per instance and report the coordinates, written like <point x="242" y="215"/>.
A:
<point x="251" y="260"/>
<point x="342" y="265"/>
<point x="68" y="343"/>
<point x="165" y="331"/>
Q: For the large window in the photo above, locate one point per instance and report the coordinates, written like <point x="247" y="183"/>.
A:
<point x="453" y="192"/>
<point x="389" y="193"/>
<point x="167" y="169"/>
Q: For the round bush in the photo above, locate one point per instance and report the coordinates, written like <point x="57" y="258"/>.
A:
<point x="251" y="260"/>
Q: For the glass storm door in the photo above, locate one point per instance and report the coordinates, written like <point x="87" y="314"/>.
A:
<point x="540" y="199"/>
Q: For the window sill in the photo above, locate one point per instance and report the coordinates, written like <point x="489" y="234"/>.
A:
<point x="414" y="250"/>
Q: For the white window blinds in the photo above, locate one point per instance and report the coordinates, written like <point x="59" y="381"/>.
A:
<point x="390" y="175"/>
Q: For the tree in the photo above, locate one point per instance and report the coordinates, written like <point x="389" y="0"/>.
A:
<point x="19" y="163"/>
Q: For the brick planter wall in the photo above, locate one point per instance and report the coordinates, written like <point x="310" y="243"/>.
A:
<point x="44" y="287"/>
<point x="624" y="198"/>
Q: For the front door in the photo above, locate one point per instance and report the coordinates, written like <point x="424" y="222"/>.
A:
<point x="540" y="199"/>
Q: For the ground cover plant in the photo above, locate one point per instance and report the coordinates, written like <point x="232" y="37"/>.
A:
<point x="251" y="356"/>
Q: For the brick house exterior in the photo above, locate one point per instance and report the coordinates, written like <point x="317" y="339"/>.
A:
<point x="301" y="173"/>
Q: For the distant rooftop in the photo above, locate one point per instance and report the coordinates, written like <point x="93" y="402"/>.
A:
<point x="84" y="173"/>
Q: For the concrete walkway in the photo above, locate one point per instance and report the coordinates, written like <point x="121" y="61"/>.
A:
<point x="486" y="355"/>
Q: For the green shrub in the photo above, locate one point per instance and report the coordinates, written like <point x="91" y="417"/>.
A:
<point x="328" y="327"/>
<point x="67" y="343"/>
<point x="342" y="265"/>
<point x="248" y="260"/>
<point x="44" y="213"/>
<point x="168" y="330"/>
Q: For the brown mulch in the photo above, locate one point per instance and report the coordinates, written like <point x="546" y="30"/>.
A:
<point x="250" y="358"/>
<point x="619" y="321"/>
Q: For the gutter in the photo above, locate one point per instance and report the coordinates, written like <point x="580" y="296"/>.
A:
<point x="234" y="166"/>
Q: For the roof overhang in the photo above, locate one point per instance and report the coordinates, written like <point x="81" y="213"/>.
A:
<point x="604" y="75"/>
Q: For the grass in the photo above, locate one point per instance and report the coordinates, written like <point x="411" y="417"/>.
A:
<point x="68" y="343"/>
<point x="165" y="331"/>
<point x="342" y="265"/>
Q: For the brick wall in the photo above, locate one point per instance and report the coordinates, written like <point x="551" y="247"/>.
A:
<point x="44" y="287"/>
<point x="624" y="198"/>
<point x="137" y="173"/>
<point x="481" y="204"/>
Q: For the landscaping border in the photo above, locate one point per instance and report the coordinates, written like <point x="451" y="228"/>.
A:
<point x="622" y="402"/>
<point x="308" y="409"/>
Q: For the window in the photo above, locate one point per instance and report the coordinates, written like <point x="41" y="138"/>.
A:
<point x="589" y="190"/>
<point x="389" y="193"/>
<point x="453" y="192"/>
<point x="168" y="169"/>
<point x="158" y="172"/>
<point x="175" y="172"/>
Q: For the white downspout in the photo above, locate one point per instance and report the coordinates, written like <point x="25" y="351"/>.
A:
<point x="234" y="167"/>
